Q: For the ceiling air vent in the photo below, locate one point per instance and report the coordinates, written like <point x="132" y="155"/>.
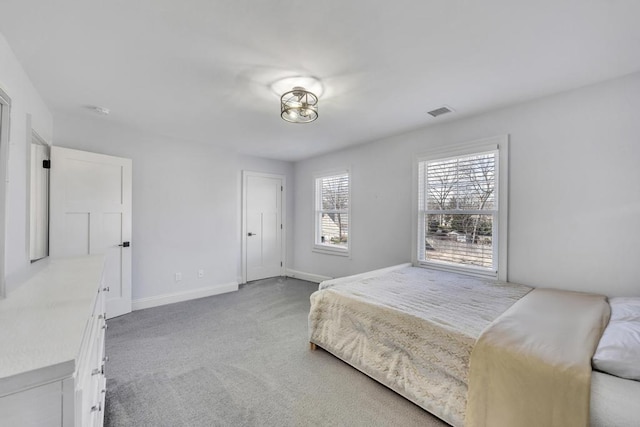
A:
<point x="440" y="111"/>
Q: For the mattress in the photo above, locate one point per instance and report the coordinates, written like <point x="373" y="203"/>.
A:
<point x="614" y="401"/>
<point x="411" y="329"/>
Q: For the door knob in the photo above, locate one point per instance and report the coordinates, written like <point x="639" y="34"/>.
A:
<point x="251" y="234"/>
<point x="125" y="244"/>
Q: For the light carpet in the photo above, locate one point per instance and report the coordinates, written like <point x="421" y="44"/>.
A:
<point x="239" y="359"/>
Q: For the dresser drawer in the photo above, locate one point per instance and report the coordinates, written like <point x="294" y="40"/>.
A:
<point x="90" y="380"/>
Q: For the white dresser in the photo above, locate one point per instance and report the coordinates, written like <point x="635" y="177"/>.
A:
<point x="52" y="335"/>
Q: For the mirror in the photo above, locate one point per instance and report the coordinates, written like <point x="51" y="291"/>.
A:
<point x="39" y="199"/>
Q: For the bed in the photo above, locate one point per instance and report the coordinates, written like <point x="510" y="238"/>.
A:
<point x="414" y="330"/>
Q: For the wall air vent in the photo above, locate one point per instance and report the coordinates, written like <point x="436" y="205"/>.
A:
<point x="440" y="111"/>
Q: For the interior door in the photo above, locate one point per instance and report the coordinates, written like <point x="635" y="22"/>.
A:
<point x="263" y="225"/>
<point x="90" y="213"/>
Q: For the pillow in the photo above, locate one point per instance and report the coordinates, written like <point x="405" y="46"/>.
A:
<point x="618" y="352"/>
<point x="625" y="308"/>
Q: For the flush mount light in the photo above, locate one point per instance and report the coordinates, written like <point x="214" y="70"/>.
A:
<point x="299" y="106"/>
<point x="309" y="83"/>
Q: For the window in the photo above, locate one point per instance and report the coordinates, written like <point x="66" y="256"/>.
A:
<point x="462" y="209"/>
<point x="332" y="213"/>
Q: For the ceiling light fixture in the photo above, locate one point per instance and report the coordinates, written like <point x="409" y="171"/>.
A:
<point x="299" y="106"/>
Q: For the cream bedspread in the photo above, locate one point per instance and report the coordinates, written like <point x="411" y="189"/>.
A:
<point x="411" y="329"/>
<point x="532" y="366"/>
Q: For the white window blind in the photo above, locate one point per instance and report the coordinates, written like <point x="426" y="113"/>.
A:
<point x="458" y="211"/>
<point x="332" y="212"/>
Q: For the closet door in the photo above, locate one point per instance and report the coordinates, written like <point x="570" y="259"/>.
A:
<point x="263" y="225"/>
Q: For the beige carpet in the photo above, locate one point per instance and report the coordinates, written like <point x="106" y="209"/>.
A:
<point x="239" y="359"/>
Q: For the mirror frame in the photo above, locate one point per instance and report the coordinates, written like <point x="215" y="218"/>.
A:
<point x="5" y="123"/>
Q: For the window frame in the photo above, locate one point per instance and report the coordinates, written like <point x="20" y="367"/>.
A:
<point x="318" y="246"/>
<point x="499" y="144"/>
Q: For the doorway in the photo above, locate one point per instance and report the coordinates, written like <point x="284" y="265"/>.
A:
<point x="263" y="243"/>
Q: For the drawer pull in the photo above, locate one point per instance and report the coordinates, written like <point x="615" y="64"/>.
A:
<point x="96" y="408"/>
<point x="106" y="289"/>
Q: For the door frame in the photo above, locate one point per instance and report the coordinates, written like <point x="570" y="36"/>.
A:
<point x="283" y="212"/>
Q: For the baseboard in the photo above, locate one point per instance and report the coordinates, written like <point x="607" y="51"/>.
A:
<point x="142" y="303"/>
<point x="316" y="278"/>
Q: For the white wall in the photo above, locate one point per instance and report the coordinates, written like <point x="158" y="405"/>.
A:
<point x="574" y="191"/>
<point x="186" y="203"/>
<point x="25" y="100"/>
<point x="186" y="198"/>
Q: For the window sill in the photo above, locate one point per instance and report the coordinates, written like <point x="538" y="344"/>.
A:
<point x="468" y="271"/>
<point x="328" y="250"/>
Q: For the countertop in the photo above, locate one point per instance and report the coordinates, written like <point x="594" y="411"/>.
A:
<point x="43" y="321"/>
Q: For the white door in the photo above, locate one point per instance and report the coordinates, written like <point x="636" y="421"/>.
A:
<point x="90" y="213"/>
<point x="263" y="225"/>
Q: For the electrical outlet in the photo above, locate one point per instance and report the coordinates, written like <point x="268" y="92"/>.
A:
<point x="178" y="277"/>
<point x="200" y="274"/>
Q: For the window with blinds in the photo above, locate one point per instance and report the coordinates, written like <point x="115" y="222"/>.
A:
<point x="332" y="213"/>
<point x="459" y="211"/>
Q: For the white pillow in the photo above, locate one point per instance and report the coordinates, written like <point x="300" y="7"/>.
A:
<point x="625" y="308"/>
<point x="618" y="352"/>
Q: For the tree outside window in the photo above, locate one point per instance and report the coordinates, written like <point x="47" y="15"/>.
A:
<point x="332" y="211"/>
<point x="459" y="209"/>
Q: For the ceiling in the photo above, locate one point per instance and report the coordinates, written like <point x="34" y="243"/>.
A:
<point x="201" y="71"/>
